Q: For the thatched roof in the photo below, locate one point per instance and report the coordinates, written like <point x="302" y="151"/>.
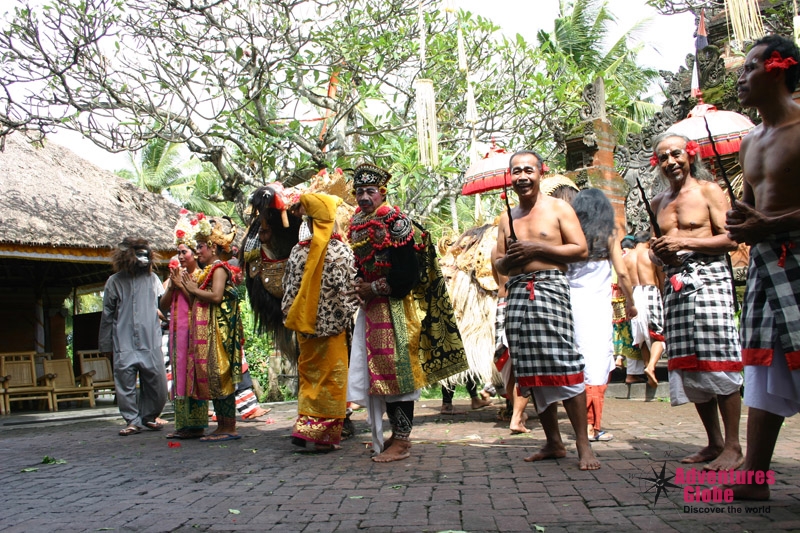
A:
<point x="50" y="196"/>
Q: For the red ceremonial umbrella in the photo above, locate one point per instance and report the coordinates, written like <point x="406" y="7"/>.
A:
<point x="727" y="129"/>
<point x="488" y="173"/>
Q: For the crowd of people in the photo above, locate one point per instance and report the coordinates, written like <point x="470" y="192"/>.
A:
<point x="353" y="302"/>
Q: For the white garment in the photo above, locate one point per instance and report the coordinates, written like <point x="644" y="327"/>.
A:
<point x="774" y="388"/>
<point x="590" y="296"/>
<point x="544" y="397"/>
<point x="639" y="324"/>
<point x="701" y="387"/>
<point x="358" y="384"/>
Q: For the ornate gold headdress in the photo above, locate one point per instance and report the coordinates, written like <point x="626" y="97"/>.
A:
<point x="218" y="236"/>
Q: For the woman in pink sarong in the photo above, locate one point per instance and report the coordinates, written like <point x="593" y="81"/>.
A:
<point x="191" y="415"/>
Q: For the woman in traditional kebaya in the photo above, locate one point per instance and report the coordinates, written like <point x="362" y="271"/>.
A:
<point x="214" y="366"/>
<point x="191" y="415"/>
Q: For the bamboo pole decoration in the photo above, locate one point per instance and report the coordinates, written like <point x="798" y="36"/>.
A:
<point x="422" y="36"/>
<point x="745" y="17"/>
<point x="796" y="22"/>
<point x="462" y="50"/>
<point x="427" y="131"/>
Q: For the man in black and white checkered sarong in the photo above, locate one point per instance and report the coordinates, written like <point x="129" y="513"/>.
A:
<point x="533" y="252"/>
<point x="702" y="344"/>
<point x="768" y="219"/>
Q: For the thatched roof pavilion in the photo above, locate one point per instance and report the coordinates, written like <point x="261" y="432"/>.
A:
<point x="61" y="216"/>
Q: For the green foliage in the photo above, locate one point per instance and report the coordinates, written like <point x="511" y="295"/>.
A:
<point x="257" y="348"/>
<point x="265" y="91"/>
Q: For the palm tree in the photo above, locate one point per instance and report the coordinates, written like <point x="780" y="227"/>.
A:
<point x="576" y="46"/>
<point x="164" y="168"/>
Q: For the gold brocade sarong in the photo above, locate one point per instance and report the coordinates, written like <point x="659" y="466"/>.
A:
<point x="393" y="330"/>
<point x="322" y="398"/>
<point x="214" y="364"/>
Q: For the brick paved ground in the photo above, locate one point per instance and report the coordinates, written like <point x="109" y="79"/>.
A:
<point x="466" y="473"/>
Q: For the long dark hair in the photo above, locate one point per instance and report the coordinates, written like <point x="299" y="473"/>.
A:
<point x="597" y="221"/>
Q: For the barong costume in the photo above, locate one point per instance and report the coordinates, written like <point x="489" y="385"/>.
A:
<point x="541" y="338"/>
<point x="318" y="275"/>
<point x="702" y="341"/>
<point x="770" y="334"/>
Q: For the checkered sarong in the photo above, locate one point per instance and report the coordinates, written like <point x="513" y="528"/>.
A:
<point x="772" y="301"/>
<point x="540" y="332"/>
<point x="655" y="312"/>
<point x="698" y="310"/>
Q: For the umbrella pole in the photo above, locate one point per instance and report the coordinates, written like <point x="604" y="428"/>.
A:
<point x="720" y="165"/>
<point x="733" y="205"/>
<point x="508" y="209"/>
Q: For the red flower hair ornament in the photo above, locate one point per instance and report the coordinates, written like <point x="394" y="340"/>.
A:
<point x="776" y="61"/>
<point x="692" y="148"/>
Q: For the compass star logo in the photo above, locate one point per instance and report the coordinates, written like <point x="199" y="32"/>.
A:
<point x="659" y="482"/>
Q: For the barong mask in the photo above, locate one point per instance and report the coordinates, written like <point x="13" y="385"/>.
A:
<point x="133" y="255"/>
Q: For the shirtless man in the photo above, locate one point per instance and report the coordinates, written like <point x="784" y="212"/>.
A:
<point x="768" y="219"/>
<point x="538" y="315"/>
<point x="648" y="325"/>
<point x="704" y="352"/>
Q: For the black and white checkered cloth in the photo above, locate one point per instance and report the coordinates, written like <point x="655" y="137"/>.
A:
<point x="655" y="311"/>
<point x="772" y="301"/>
<point x="539" y="330"/>
<point x="699" y="327"/>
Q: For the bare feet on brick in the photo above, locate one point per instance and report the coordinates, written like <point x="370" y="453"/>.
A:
<point x="727" y="460"/>
<point x="548" y="452"/>
<point x="749" y="492"/>
<point x="517" y="426"/>
<point x="709" y="453"/>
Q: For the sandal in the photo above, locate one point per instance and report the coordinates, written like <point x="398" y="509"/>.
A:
<point x="154" y="426"/>
<point x="130" y="430"/>
<point x="185" y="435"/>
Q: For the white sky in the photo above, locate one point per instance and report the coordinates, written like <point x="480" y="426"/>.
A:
<point x="669" y="39"/>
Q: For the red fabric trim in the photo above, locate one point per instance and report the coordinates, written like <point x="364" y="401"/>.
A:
<point x="793" y="360"/>
<point x="550" y="380"/>
<point x="682" y="363"/>
<point x="692" y="364"/>
<point x="757" y="356"/>
<point x="656" y="336"/>
<point x="501" y="361"/>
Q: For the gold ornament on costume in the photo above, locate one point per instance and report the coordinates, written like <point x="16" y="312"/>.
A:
<point x="219" y="237"/>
